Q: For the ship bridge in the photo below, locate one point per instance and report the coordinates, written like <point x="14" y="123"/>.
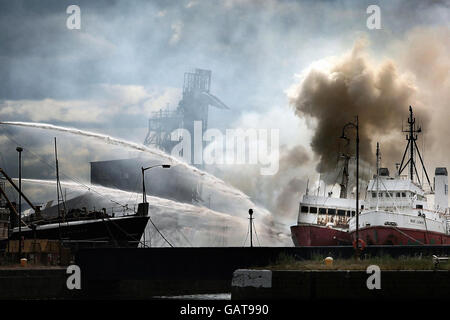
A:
<point x="395" y="193"/>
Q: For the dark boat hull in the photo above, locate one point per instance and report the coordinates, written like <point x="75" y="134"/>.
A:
<point x="311" y="235"/>
<point x="119" y="230"/>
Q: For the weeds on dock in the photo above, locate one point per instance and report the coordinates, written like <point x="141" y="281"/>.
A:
<point x="385" y="262"/>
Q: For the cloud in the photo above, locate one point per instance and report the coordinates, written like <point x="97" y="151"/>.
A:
<point x="129" y="58"/>
<point x="177" y="28"/>
<point x="425" y="54"/>
<point x="111" y="101"/>
<point x="51" y="110"/>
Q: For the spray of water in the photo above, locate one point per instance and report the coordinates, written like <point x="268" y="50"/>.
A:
<point x="209" y="179"/>
<point x="183" y="223"/>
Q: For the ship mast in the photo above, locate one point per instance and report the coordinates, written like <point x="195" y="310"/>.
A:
<point x="378" y="171"/>
<point x="59" y="193"/>
<point x="344" y="181"/>
<point x="412" y="148"/>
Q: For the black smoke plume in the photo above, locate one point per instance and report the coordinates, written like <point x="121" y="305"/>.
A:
<point x="351" y="86"/>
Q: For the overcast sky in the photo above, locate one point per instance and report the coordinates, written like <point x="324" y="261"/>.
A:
<point x="129" y="57"/>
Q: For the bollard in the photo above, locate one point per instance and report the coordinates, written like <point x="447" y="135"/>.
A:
<point x="328" y="261"/>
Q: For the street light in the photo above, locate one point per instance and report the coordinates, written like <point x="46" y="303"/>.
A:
<point x="355" y="125"/>
<point x="19" y="150"/>
<point x="143" y="207"/>
<point x="250" y="212"/>
<point x="144" y="196"/>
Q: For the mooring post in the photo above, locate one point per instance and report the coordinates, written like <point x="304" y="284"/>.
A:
<point x="250" y="212"/>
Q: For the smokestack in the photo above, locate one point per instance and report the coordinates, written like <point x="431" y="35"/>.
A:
<point x="441" y="189"/>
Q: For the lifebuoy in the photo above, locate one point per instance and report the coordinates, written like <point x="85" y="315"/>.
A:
<point x="362" y="244"/>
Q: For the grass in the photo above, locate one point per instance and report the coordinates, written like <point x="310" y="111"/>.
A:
<point x="285" y="262"/>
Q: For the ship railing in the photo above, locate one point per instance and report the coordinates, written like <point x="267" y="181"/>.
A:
<point x="101" y="243"/>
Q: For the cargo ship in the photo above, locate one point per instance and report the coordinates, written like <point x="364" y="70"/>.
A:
<point x="398" y="210"/>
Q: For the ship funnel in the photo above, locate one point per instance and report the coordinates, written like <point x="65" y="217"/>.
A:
<point x="384" y="172"/>
<point x="441" y="189"/>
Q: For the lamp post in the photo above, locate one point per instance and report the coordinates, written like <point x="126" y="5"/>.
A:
<point x="19" y="150"/>
<point x="250" y="212"/>
<point x="355" y="125"/>
<point x="144" y="195"/>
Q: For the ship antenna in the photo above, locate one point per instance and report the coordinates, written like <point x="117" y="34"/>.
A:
<point x="59" y="191"/>
<point x="344" y="181"/>
<point x="412" y="147"/>
<point x="318" y="188"/>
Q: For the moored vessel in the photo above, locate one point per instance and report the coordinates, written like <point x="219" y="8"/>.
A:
<point x="324" y="220"/>
<point x="398" y="210"/>
<point x="69" y="221"/>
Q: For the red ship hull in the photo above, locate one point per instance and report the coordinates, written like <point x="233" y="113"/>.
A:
<point x="311" y="235"/>
<point x="385" y="235"/>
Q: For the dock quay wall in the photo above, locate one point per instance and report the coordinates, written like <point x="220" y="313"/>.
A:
<point x="143" y="273"/>
<point x="399" y="285"/>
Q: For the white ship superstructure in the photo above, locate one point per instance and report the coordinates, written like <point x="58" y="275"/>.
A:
<point x="400" y="203"/>
<point x="326" y="211"/>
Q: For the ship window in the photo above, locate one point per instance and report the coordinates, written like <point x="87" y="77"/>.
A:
<point x="374" y="194"/>
<point x="419" y="206"/>
<point x="341" y="212"/>
<point x="323" y="210"/>
<point x="331" y="211"/>
<point x="380" y="194"/>
<point x="304" y="209"/>
<point x="353" y="213"/>
<point x="362" y="207"/>
<point x="398" y="194"/>
<point x="313" y="210"/>
<point x="391" y="194"/>
<point x="403" y="195"/>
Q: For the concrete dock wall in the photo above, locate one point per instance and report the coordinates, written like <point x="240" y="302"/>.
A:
<point x="42" y="283"/>
<point x="339" y="285"/>
<point x="142" y="273"/>
<point x="108" y="273"/>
